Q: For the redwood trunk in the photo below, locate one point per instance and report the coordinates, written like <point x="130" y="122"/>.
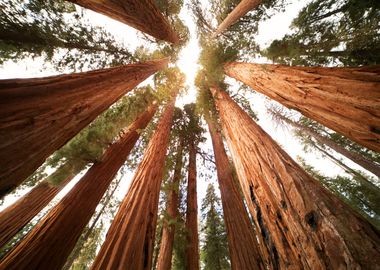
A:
<point x="140" y="14"/>
<point x="304" y="219"/>
<point x="168" y="231"/>
<point x="49" y="244"/>
<point x="242" y="243"/>
<point x="239" y="11"/>
<point x="192" y="249"/>
<point x="346" y="100"/>
<point x="130" y="239"/>
<point x="38" y="116"/>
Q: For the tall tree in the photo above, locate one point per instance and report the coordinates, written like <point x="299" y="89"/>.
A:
<point x="142" y="15"/>
<point x="130" y="239"/>
<point x="343" y="99"/>
<point x="40" y="115"/>
<point x="55" y="236"/>
<point x="302" y="216"/>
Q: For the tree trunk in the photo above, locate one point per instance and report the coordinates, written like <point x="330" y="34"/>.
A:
<point x="346" y="100"/>
<point x="168" y="231"/>
<point x="140" y="14"/>
<point x="49" y="244"/>
<point x="239" y="11"/>
<point x="130" y="239"/>
<point x="304" y="219"/>
<point x="242" y="243"/>
<point x="38" y="116"/>
<point x="192" y="248"/>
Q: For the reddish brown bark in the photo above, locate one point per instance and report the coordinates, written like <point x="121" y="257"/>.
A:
<point x="346" y="100"/>
<point x="239" y="11"/>
<point x="130" y="239"/>
<point x="37" y="116"/>
<point x="192" y="248"/>
<point x="168" y="230"/>
<point x="242" y="243"/>
<point x="49" y="244"/>
<point x="304" y="219"/>
<point x="140" y="14"/>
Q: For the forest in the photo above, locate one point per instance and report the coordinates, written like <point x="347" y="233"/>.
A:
<point x="189" y="134"/>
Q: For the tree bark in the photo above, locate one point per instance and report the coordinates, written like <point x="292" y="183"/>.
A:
<point x="168" y="231"/>
<point x="140" y="14"/>
<point x="49" y="244"/>
<point x="239" y="11"/>
<point x="346" y="100"/>
<point x="39" y="115"/>
<point x="315" y="227"/>
<point x="130" y="239"/>
<point x="242" y="243"/>
<point x="192" y="248"/>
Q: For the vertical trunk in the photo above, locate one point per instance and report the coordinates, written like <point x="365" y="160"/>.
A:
<point x="130" y="239"/>
<point x="346" y="100"/>
<point x="192" y="249"/>
<point x="166" y="248"/>
<point x="38" y="116"/>
<point x="140" y="14"/>
<point x="239" y="11"/>
<point x="304" y="218"/>
<point x="55" y="236"/>
<point x="242" y="243"/>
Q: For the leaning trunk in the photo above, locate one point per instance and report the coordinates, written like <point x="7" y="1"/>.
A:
<point x="130" y="239"/>
<point x="140" y="14"/>
<point x="168" y="231"/>
<point x="346" y="100"/>
<point x="192" y="248"/>
<point x="239" y="11"/>
<point x="38" y="116"/>
<point x="242" y="243"/>
<point x="55" y="236"/>
<point x="317" y="229"/>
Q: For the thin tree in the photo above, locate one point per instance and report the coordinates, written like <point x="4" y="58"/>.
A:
<point x="40" y="115"/>
<point x="140" y="14"/>
<point x="55" y="236"/>
<point x="302" y="216"/>
<point x="343" y="99"/>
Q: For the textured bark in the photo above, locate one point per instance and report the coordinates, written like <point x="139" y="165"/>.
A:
<point x="239" y="11"/>
<point x="242" y="243"/>
<point x="319" y="230"/>
<point x="130" y="239"/>
<point x="192" y="248"/>
<point x="168" y="230"/>
<point x="140" y="14"/>
<point x="346" y="100"/>
<point x="17" y="215"/>
<point x="49" y="244"/>
<point x="38" y="116"/>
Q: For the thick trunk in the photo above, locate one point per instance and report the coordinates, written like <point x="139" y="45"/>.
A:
<point x="166" y="248"/>
<point x="38" y="116"/>
<point x="130" y="239"/>
<point x="239" y="11"/>
<point x="242" y="243"/>
<point x="192" y="248"/>
<point x="17" y="215"/>
<point x="140" y="14"/>
<point x="307" y="222"/>
<point x="346" y="100"/>
<point x="55" y="236"/>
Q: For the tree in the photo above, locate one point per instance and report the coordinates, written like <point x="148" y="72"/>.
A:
<point x="343" y="99"/>
<point x="214" y="250"/>
<point x="142" y="15"/>
<point x="302" y="217"/>
<point x="40" y="115"/>
<point x="55" y="236"/>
